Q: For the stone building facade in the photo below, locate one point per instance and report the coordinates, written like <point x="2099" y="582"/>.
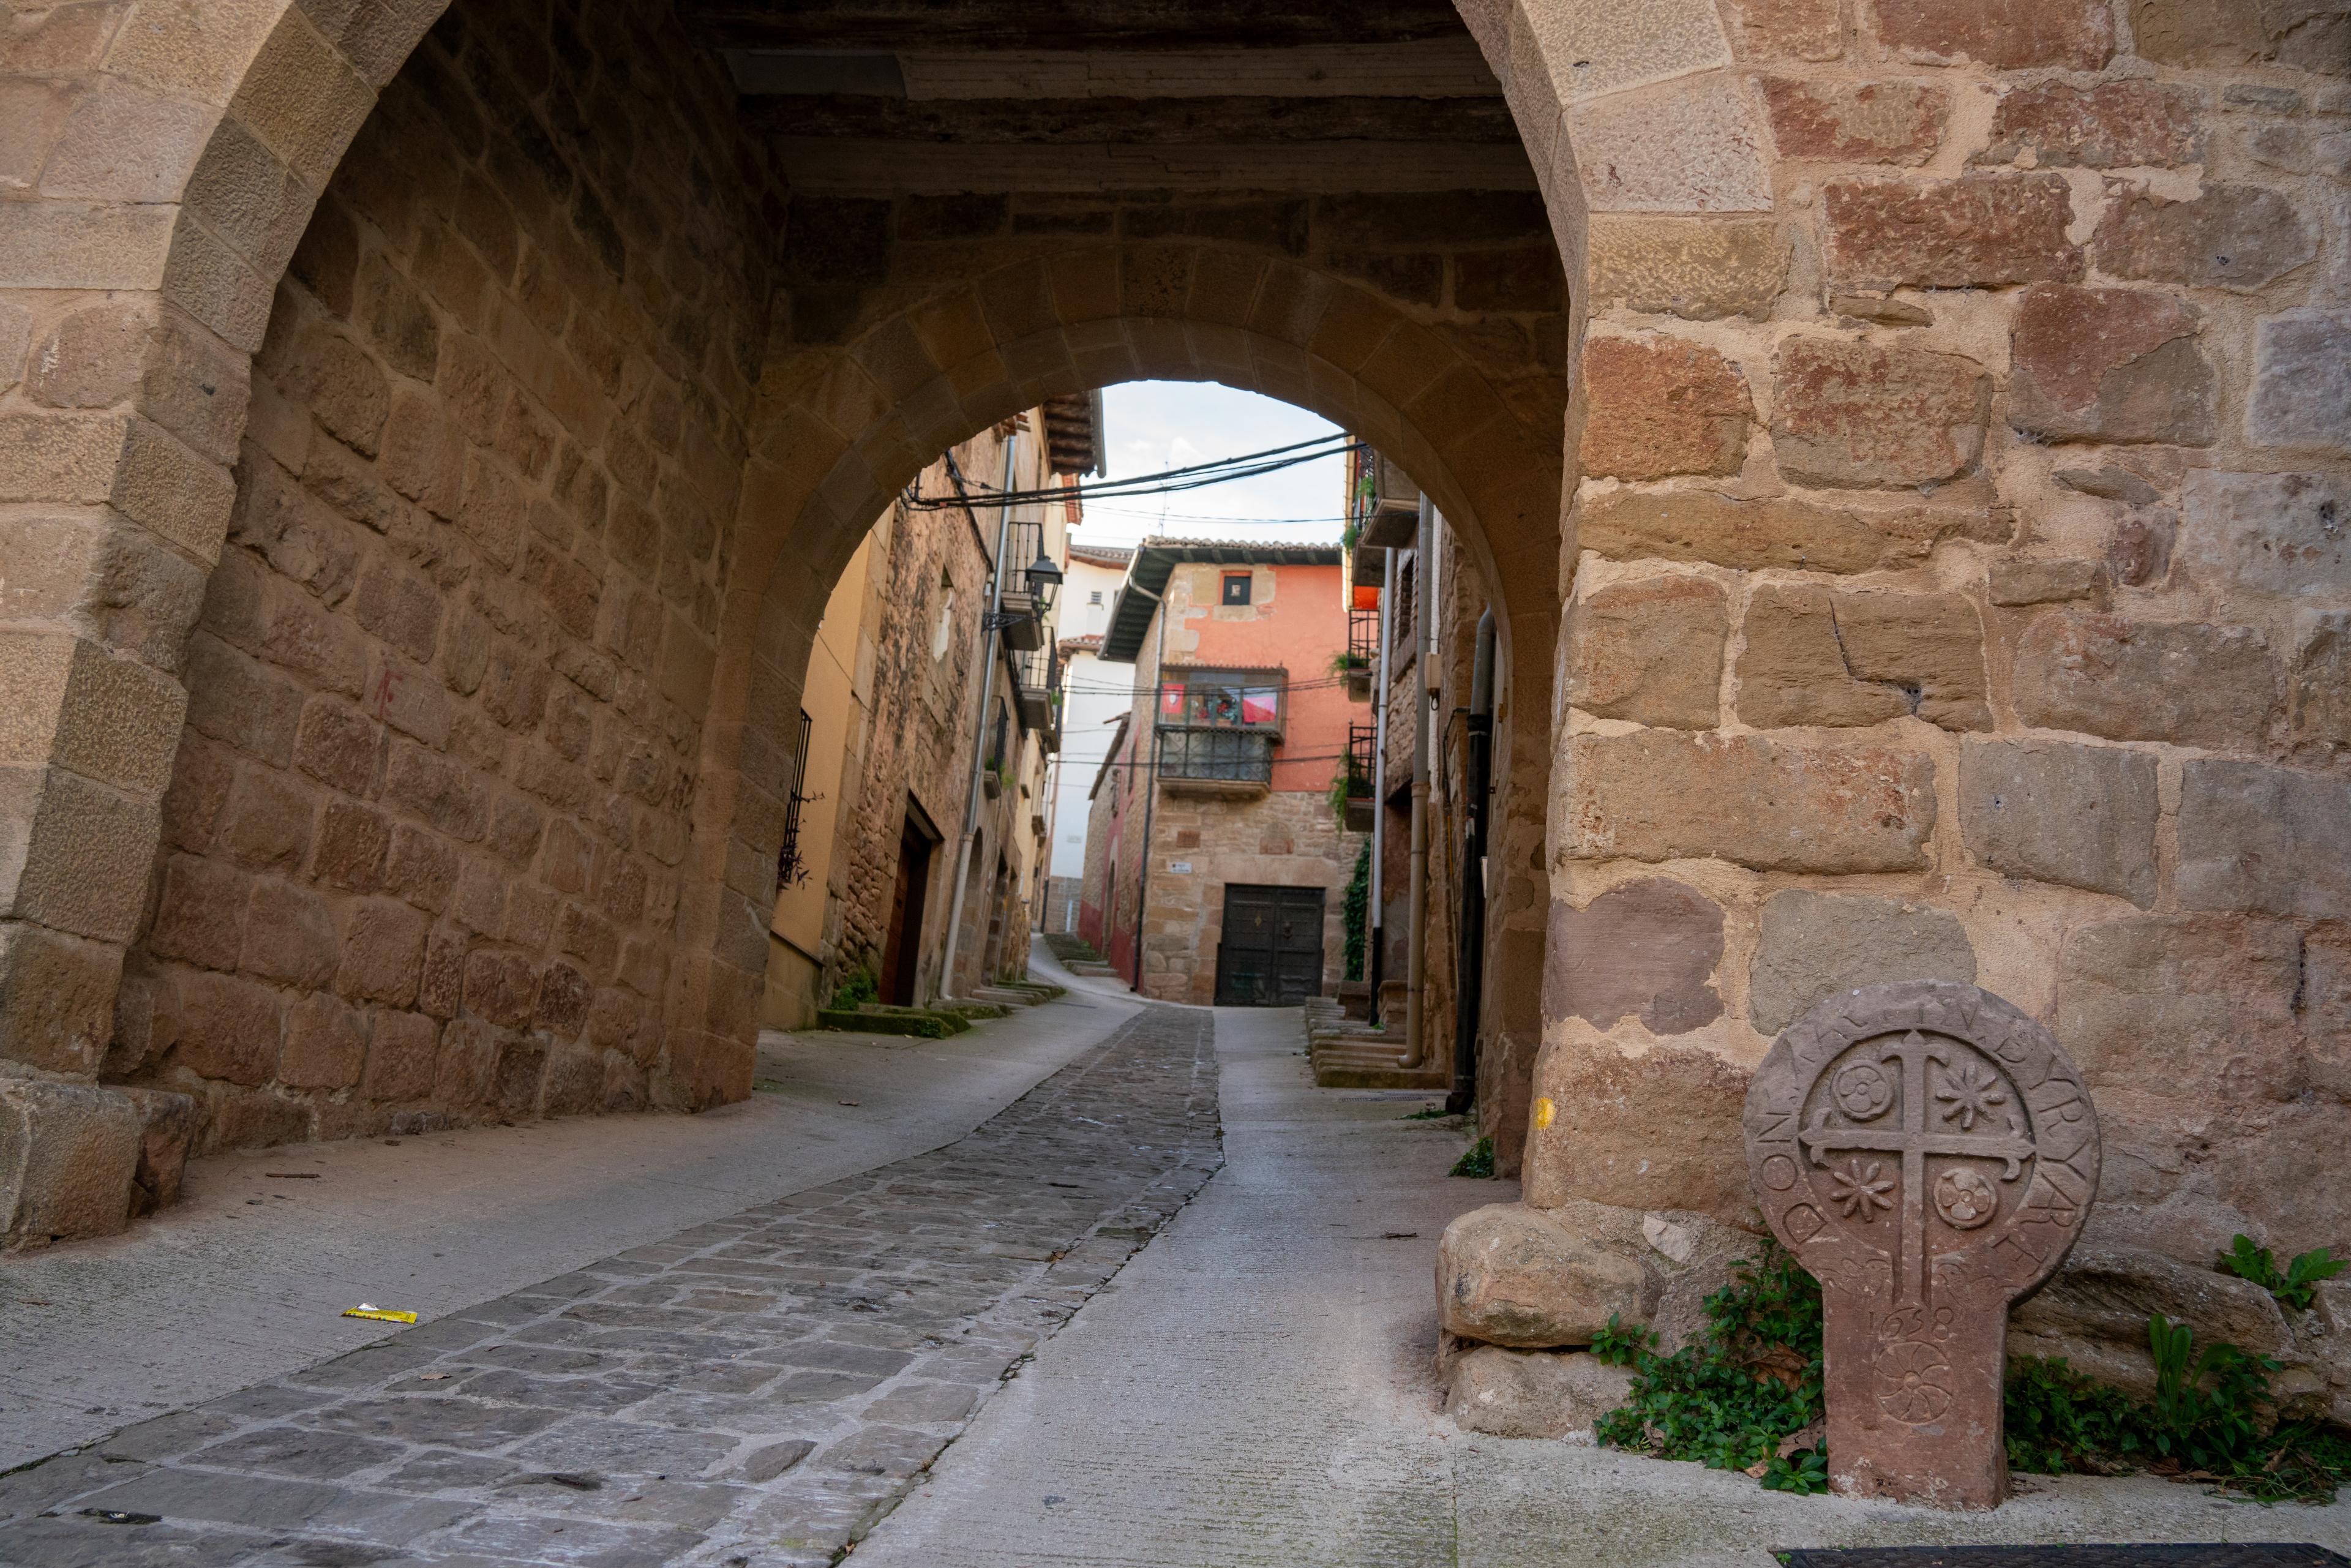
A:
<point x="906" y="763"/>
<point x="1905" y="443"/>
<point x="1220" y="788"/>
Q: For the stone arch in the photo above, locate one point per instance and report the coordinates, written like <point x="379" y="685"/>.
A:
<point x="843" y="429"/>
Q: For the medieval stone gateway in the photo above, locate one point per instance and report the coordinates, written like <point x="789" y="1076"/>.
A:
<point x="1905" y="444"/>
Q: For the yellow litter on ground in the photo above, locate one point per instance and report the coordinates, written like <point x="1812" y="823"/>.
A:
<point x="381" y="1314"/>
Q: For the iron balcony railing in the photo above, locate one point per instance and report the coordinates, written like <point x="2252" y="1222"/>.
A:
<point x="1236" y="756"/>
<point x="1363" y="749"/>
<point x="1362" y="639"/>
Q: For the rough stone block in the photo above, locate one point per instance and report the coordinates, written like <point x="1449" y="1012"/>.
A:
<point x="1657" y="1130"/>
<point x="1870" y="417"/>
<point x="2183" y="682"/>
<point x="2095" y="1313"/>
<point x="168" y="1128"/>
<point x="1814" y="945"/>
<point x="1698" y="268"/>
<point x="74" y="706"/>
<point x="1695" y="145"/>
<point x="2008" y="35"/>
<point x="2111" y="125"/>
<point x="2109" y="364"/>
<point x="1777" y="531"/>
<point x="2080" y="816"/>
<point x="288" y="935"/>
<point x="2241" y="237"/>
<point x="201" y="917"/>
<point x="1788" y="29"/>
<point x="2301" y="380"/>
<point x="2274" y="533"/>
<point x="1661" y="406"/>
<point x="382" y="953"/>
<point x="1815" y="656"/>
<point x="1646" y="949"/>
<point x="2020" y="583"/>
<point x="2222" y="33"/>
<point x="1658" y="795"/>
<point x="2257" y="837"/>
<point x="56" y="999"/>
<point x="74" y="855"/>
<point x="68" y="1156"/>
<point x="2321" y="697"/>
<point x="1587" y="52"/>
<point x="1510" y="1275"/>
<point x="1650" y="652"/>
<point x="1533" y="1394"/>
<point x="403" y="1050"/>
<point x="1856" y="122"/>
<point x="1976" y="231"/>
<point x="2189" y="1007"/>
<point x="323" y="1047"/>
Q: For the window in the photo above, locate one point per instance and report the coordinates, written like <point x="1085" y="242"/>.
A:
<point x="1095" y="597"/>
<point x="1222" y="699"/>
<point x="1236" y="587"/>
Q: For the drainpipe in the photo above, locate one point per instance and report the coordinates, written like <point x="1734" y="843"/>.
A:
<point x="1469" y="976"/>
<point x="1151" y="788"/>
<point x="988" y="622"/>
<point x="1415" y="1049"/>
<point x="1372" y="969"/>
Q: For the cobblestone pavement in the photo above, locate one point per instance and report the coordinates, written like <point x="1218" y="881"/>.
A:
<point x="755" y="1390"/>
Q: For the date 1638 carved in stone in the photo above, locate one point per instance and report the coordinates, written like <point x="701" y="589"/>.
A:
<point x="1929" y="1154"/>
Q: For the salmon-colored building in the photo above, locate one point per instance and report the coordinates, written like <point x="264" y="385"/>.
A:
<point x="1221" y="781"/>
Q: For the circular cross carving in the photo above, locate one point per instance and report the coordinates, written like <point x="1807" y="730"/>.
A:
<point x="1922" y="1143"/>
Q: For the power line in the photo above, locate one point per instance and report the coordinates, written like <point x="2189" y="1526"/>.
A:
<point x="1170" y="481"/>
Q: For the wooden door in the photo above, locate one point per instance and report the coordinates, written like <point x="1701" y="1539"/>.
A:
<point x="902" y="955"/>
<point x="1272" y="951"/>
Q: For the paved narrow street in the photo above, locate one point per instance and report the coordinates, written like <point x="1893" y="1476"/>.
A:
<point x="1169" y="1307"/>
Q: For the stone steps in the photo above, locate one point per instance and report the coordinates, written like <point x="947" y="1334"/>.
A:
<point x="1348" y="1054"/>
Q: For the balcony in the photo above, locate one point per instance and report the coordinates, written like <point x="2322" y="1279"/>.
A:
<point x="1037" y="682"/>
<point x="1362" y="653"/>
<point x="1230" y="764"/>
<point x="1362" y="748"/>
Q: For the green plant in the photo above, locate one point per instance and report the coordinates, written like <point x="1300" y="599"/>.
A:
<point x="1731" y="1400"/>
<point x="1344" y="663"/>
<point x="856" y="989"/>
<point x="1478" y="1163"/>
<point x="2210" y="1420"/>
<point x="2297" y="1287"/>
<point x="1355" y="908"/>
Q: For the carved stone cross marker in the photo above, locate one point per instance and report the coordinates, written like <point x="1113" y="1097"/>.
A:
<point x="1929" y="1154"/>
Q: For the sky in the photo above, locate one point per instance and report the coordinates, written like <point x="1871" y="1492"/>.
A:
<point x="1150" y="426"/>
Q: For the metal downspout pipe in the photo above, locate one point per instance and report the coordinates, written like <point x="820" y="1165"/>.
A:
<point x="980" y="725"/>
<point x="1415" y="1046"/>
<point x="1470" y="973"/>
<point x="1374" y="961"/>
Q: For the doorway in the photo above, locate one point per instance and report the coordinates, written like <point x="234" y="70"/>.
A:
<point x="901" y="953"/>
<point x="1271" y="952"/>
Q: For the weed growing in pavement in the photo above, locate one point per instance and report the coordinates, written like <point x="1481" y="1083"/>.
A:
<point x="1426" y="1113"/>
<point x="856" y="990"/>
<point x="1733" y="1401"/>
<point x="2297" y="1287"/>
<point x="1478" y="1162"/>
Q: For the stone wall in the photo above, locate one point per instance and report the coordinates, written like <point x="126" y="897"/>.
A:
<point x="1285" y="838"/>
<point x="931" y="577"/>
<point x="1961" y="585"/>
<point x="421" y="841"/>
